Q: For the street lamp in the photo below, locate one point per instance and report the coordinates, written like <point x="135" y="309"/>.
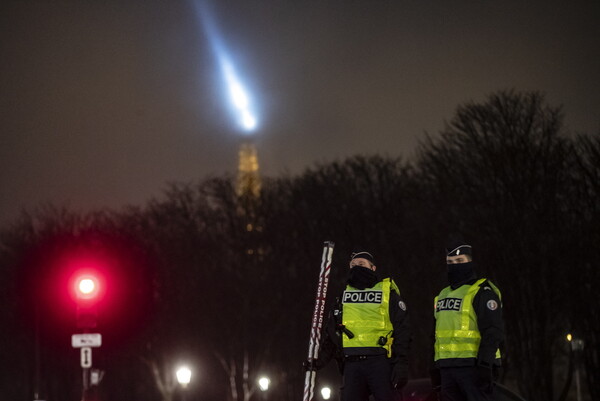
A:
<point x="326" y="393"/>
<point x="184" y="376"/>
<point x="577" y="346"/>
<point x="263" y="383"/>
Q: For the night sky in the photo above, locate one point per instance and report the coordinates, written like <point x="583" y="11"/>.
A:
<point x="104" y="102"/>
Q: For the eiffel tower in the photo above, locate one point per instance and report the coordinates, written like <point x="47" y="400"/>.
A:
<point x="248" y="179"/>
<point x="248" y="191"/>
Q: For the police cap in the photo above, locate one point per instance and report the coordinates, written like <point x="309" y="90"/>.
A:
<point x="362" y="255"/>
<point x="457" y="246"/>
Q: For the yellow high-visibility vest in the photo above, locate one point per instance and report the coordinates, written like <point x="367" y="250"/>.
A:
<point x="456" y="331"/>
<point x="366" y="314"/>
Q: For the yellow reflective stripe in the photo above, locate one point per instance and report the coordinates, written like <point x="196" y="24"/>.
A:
<point x="393" y="286"/>
<point x="496" y="290"/>
<point x="458" y="347"/>
<point x="467" y="304"/>
<point x="387" y="285"/>
<point x="385" y="302"/>
<point x="467" y="334"/>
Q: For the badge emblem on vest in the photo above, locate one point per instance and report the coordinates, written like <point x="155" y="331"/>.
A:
<point x="492" y="305"/>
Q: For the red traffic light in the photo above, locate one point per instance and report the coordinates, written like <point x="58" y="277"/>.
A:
<point x="87" y="286"/>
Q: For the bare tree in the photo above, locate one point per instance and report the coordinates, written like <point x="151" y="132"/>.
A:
<point x="585" y="226"/>
<point x="499" y="173"/>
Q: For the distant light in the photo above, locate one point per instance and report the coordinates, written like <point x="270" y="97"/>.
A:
<point x="569" y="337"/>
<point x="248" y="121"/>
<point x="239" y="98"/>
<point x="263" y="383"/>
<point x="238" y="95"/>
<point x="86" y="286"/>
<point x="184" y="375"/>
<point x="326" y="393"/>
<point x="578" y="344"/>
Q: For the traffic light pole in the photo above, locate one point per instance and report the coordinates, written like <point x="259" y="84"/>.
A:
<point x="87" y="288"/>
<point x="85" y="342"/>
<point x="86" y="359"/>
<point x="37" y="362"/>
<point x="85" y="384"/>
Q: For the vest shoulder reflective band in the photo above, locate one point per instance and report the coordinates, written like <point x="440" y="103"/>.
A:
<point x="456" y="331"/>
<point x="366" y="314"/>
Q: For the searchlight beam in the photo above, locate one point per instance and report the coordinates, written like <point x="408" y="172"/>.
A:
<point x="241" y="102"/>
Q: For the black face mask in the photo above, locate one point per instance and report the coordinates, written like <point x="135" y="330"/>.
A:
<point x="460" y="273"/>
<point x="362" y="277"/>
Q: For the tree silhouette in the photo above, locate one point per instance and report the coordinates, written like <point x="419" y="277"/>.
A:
<point x="501" y="174"/>
<point x="226" y="281"/>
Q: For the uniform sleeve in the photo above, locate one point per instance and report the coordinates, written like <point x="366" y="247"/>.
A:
<point x="488" y="307"/>
<point x="330" y="346"/>
<point x="327" y="349"/>
<point x="400" y="323"/>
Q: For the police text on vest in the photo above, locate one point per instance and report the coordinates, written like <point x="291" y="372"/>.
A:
<point x="448" y="304"/>
<point x="362" y="297"/>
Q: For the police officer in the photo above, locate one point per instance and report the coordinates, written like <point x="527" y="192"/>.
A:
<point x="368" y="334"/>
<point x="468" y="330"/>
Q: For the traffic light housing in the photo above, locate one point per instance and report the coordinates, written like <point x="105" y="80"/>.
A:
<point x="87" y="288"/>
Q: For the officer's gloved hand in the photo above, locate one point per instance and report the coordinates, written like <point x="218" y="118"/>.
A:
<point x="485" y="376"/>
<point x="436" y="379"/>
<point x="313" y="364"/>
<point x="399" y="375"/>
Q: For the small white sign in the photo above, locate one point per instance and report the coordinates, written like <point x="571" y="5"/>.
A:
<point x="96" y="376"/>
<point x="86" y="340"/>
<point x="86" y="357"/>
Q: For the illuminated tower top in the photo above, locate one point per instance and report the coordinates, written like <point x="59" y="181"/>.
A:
<point x="248" y="180"/>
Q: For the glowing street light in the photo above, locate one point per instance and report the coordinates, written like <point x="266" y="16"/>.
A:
<point x="326" y="393"/>
<point x="263" y="383"/>
<point x="184" y="376"/>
